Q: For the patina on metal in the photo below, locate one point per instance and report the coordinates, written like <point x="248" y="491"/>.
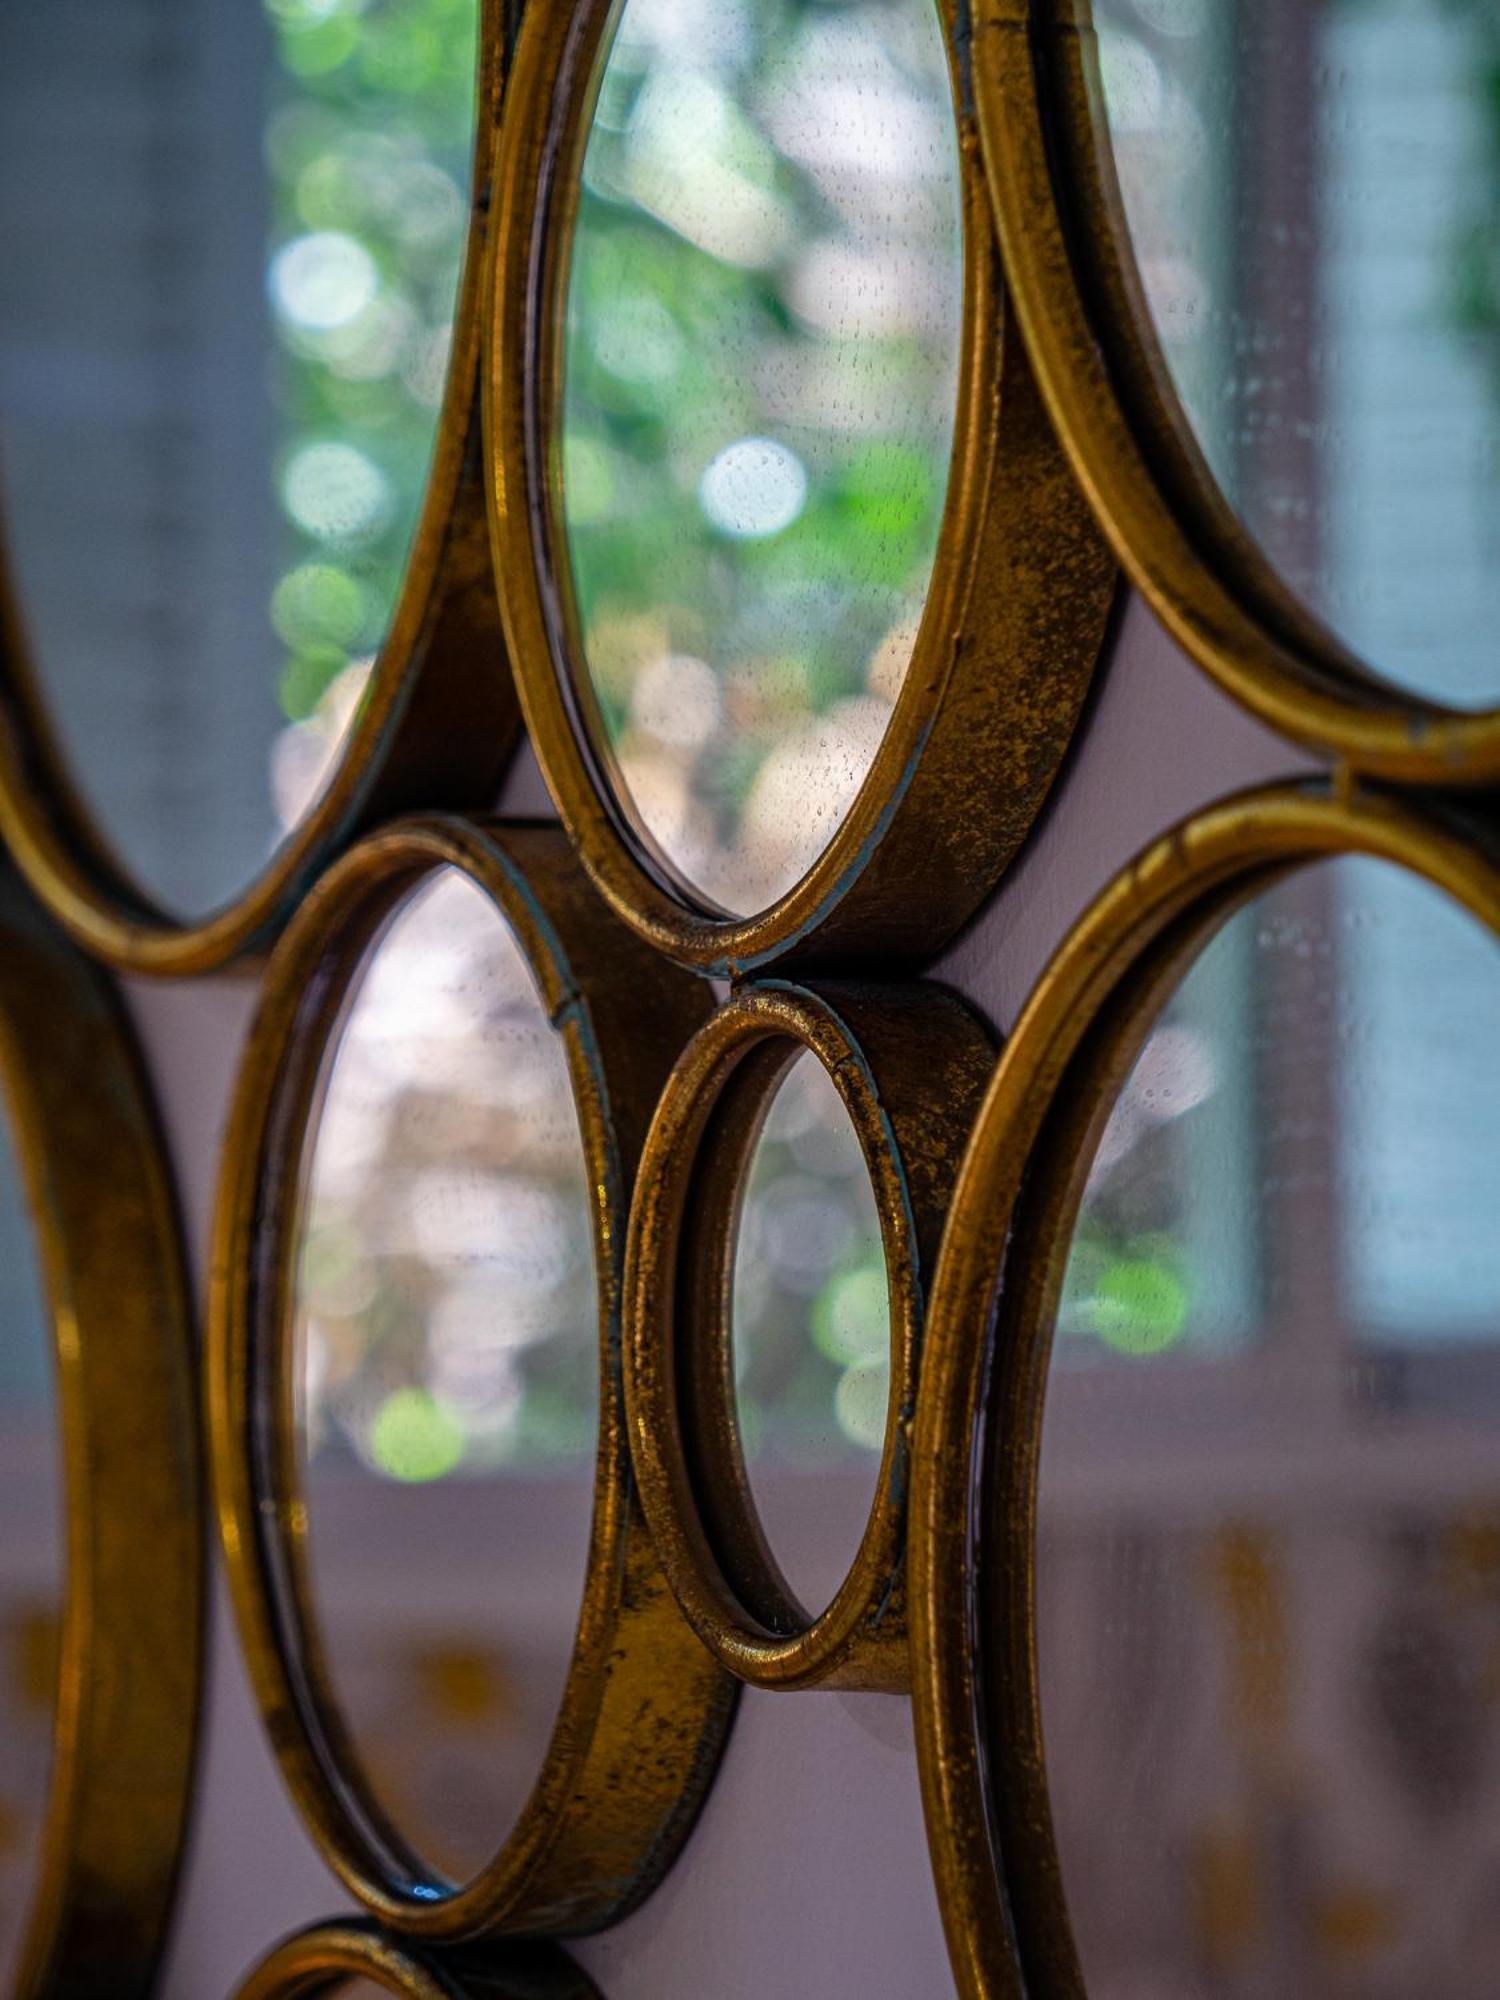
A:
<point x="990" y="1324"/>
<point x="910" y="1064"/>
<point x="1078" y="296"/>
<point x="1015" y="619"/>
<point x="645" y="1711"/>
<point x="324" y="1958"/>
<point x="129" y="1674"/>
<point x="436" y="726"/>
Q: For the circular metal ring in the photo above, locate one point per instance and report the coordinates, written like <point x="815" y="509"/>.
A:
<point x="1014" y="621"/>
<point x="129" y="1677"/>
<point x="909" y="1064"/>
<point x="437" y="724"/>
<point x="645" y="1711"/>
<point x="1079" y="301"/>
<point x="979" y="1740"/>
<point x="319" y="1960"/>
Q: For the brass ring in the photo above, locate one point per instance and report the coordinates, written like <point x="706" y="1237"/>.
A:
<point x="320" y="1959"/>
<point x="1013" y="624"/>
<point x="910" y="1065"/>
<point x="979" y="1741"/>
<point x="437" y="724"/>
<point x="129" y="1679"/>
<point x="1079" y="301"/>
<point x="644" y="1711"/>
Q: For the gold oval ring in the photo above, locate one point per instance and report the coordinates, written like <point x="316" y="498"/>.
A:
<point x="1013" y="624"/>
<point x="436" y="726"/>
<point x="320" y="1959"/>
<point x="644" y="1712"/>
<point x="979" y="1742"/>
<point x="130" y="1672"/>
<point x="909" y="1064"/>
<point x="1087" y="325"/>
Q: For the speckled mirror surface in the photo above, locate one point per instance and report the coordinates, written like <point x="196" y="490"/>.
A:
<point x="1268" y="1531"/>
<point x="1307" y="194"/>
<point x="811" y="1333"/>
<point x="231" y="237"/>
<point x="447" y="1355"/>
<point x="32" y="1559"/>
<point x="761" y="374"/>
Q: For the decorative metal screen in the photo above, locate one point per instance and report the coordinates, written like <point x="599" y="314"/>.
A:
<point x="758" y="431"/>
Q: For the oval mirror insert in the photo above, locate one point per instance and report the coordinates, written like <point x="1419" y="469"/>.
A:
<point x="1306" y="191"/>
<point x="1268" y="1510"/>
<point x="761" y="377"/>
<point x="811" y="1331"/>
<point x="32" y="1560"/>
<point x="447" y="1343"/>
<point x="231" y="239"/>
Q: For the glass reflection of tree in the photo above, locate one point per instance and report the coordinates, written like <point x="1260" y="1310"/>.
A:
<point x="446" y="1288"/>
<point x="761" y="370"/>
<point x="367" y="149"/>
<point x="811" y="1312"/>
<point x="1165" y="1248"/>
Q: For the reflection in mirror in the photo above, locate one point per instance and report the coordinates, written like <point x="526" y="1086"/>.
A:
<point x="811" y="1333"/>
<point x="1310" y="190"/>
<point x="1268" y="1535"/>
<point x="447" y="1351"/>
<point x="32" y="1557"/>
<point x="761" y="374"/>
<point x="231" y="238"/>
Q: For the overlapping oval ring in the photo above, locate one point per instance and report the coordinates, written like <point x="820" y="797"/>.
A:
<point x="642" y="1709"/>
<point x="1268" y="350"/>
<point x="1112" y="1337"/>
<point x="101" y="1719"/>
<point x="354" y="1955"/>
<point x="266" y="514"/>
<point x="801" y="600"/>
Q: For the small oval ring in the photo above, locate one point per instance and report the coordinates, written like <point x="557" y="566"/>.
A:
<point x="910" y="1064"/>
<point x="644" y="1712"/>
<point x="1078" y="299"/>
<point x="1016" y="614"/>
<point x="984" y="1784"/>
<point x="316" y="1962"/>
<point x="437" y="726"/>
<point x="130" y="1673"/>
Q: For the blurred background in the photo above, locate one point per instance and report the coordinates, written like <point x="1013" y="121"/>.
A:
<point x="1269" y="1556"/>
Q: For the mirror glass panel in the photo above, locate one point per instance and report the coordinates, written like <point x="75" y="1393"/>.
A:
<point x="447" y="1363"/>
<point x="811" y="1330"/>
<point x="32" y="1559"/>
<point x="1268" y="1535"/>
<point x="761" y="370"/>
<point x="231" y="238"/>
<point x="1309" y="190"/>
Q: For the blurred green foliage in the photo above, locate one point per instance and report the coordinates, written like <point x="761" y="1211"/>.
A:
<point x="367" y="145"/>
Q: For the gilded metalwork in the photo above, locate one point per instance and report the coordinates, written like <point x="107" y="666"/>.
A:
<point x="1079" y="300"/>
<point x="322" y="1959"/>
<point x="645" y="1710"/>
<point x="909" y="1064"/>
<point x="978" y="1429"/>
<point x="1014" y="621"/>
<point x="130" y="1668"/>
<point x="437" y="724"/>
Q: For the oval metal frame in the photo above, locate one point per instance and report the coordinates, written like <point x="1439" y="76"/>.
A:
<point x="910" y="1065"/>
<point x="437" y="725"/>
<point x="978" y="1429"/>
<point x="130" y="1673"/>
<point x="644" y="1712"/>
<point x="1087" y="325"/>
<point x="1015" y="618"/>
<point x="317" y="1961"/>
